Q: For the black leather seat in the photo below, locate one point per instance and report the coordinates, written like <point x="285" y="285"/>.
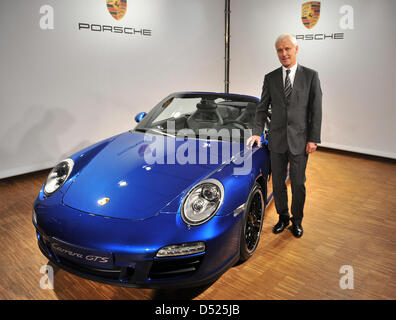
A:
<point x="206" y="116"/>
<point x="247" y="115"/>
<point x="228" y="113"/>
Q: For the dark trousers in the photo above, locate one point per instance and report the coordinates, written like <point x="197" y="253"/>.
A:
<point x="298" y="164"/>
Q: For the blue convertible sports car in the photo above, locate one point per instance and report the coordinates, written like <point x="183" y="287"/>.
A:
<point x="174" y="202"/>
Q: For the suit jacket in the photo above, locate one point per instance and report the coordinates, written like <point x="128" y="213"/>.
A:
<point x="294" y="122"/>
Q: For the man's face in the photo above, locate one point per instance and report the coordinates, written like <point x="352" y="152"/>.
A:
<point x="286" y="53"/>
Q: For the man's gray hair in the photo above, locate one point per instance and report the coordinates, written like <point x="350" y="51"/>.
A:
<point x="288" y="36"/>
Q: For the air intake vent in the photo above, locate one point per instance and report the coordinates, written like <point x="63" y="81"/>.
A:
<point x="175" y="267"/>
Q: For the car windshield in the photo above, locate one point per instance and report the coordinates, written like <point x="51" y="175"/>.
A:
<point x="222" y="117"/>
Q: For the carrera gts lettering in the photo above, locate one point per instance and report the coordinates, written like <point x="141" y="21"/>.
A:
<point x="97" y="259"/>
<point x="70" y="253"/>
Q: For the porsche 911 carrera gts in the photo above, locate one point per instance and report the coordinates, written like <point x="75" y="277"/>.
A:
<point x="174" y="202"/>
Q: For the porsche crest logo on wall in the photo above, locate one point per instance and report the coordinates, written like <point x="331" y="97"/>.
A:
<point x="117" y="8"/>
<point x="310" y="13"/>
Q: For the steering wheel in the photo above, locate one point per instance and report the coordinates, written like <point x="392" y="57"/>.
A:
<point x="236" y="122"/>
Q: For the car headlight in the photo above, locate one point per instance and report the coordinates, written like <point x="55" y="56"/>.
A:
<point x="58" y="176"/>
<point x="202" y="202"/>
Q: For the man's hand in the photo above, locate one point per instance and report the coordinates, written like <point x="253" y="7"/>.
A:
<point x="311" y="147"/>
<point x="252" y="140"/>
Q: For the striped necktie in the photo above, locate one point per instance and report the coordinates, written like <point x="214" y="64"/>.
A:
<point x="288" y="87"/>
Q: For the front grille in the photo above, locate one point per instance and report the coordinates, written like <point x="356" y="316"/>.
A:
<point x="161" y="268"/>
<point x="175" y="267"/>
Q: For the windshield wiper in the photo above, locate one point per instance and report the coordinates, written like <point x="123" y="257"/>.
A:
<point x="149" y="130"/>
<point x="163" y="133"/>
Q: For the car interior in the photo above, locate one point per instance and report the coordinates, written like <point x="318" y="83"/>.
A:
<point x="211" y="115"/>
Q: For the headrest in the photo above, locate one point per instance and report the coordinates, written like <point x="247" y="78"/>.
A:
<point x="206" y="105"/>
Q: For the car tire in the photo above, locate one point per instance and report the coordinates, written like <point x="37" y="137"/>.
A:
<point x="252" y="222"/>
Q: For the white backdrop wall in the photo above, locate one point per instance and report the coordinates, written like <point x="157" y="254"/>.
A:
<point x="356" y="73"/>
<point x="62" y="89"/>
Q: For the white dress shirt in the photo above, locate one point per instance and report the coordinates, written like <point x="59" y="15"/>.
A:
<point x="292" y="74"/>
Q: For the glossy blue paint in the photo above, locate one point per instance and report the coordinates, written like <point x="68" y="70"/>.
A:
<point x="121" y="173"/>
<point x="144" y="210"/>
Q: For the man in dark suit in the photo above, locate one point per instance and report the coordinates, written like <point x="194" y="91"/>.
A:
<point x="295" y="96"/>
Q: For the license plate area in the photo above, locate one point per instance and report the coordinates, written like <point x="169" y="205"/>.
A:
<point x="94" y="258"/>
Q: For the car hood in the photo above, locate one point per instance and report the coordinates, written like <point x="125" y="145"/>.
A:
<point x="122" y="181"/>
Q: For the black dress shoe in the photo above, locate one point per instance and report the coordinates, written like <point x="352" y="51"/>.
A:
<point x="297" y="229"/>
<point x="281" y="225"/>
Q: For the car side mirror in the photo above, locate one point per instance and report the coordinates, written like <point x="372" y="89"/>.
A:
<point x="140" y="116"/>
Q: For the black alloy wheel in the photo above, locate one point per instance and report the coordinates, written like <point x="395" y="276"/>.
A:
<point x="252" y="222"/>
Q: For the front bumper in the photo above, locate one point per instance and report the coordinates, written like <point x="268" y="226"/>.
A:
<point x="133" y="245"/>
